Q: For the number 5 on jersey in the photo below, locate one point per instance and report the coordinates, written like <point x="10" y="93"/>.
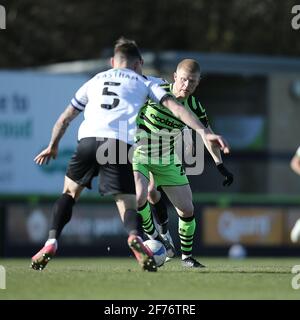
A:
<point x="106" y="92"/>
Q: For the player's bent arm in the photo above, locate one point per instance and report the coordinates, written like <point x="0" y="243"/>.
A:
<point x="295" y="164"/>
<point x="192" y="121"/>
<point x="62" y="124"/>
<point x="183" y="114"/>
<point x="57" y="132"/>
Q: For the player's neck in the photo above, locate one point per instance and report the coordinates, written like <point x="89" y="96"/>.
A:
<point x="126" y="65"/>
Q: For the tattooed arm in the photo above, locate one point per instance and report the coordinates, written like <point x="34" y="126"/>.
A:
<point x="58" y="131"/>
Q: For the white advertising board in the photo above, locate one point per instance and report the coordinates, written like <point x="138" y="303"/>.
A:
<point x="30" y="103"/>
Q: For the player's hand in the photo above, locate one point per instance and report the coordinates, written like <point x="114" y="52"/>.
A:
<point x="46" y="155"/>
<point x="219" y="140"/>
<point x="225" y="173"/>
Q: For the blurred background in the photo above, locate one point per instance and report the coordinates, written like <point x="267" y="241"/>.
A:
<point x="249" y="52"/>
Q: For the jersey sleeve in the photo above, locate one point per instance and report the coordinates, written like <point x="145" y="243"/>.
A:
<point x="157" y="80"/>
<point x="156" y="93"/>
<point x="204" y="118"/>
<point x="80" y="99"/>
<point x="199" y="110"/>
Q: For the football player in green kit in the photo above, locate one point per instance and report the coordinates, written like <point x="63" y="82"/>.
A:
<point x="154" y="155"/>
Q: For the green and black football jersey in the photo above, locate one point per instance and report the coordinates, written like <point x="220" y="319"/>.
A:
<point x="158" y="128"/>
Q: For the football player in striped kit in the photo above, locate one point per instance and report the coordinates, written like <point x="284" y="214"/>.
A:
<point x="171" y="178"/>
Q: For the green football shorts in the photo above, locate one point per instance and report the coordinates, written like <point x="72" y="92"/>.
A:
<point x="164" y="175"/>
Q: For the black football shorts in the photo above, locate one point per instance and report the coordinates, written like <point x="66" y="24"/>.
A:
<point x="106" y="158"/>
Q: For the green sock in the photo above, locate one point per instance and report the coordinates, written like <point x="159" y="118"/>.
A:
<point x="148" y="226"/>
<point x="186" y="230"/>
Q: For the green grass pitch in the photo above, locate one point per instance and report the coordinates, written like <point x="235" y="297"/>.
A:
<point x="122" y="278"/>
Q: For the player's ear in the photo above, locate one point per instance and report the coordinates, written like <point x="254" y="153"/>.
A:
<point x="175" y="76"/>
<point x="112" y="61"/>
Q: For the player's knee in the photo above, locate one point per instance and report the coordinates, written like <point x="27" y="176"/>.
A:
<point x="68" y="191"/>
<point x="73" y="193"/>
<point x="141" y="198"/>
<point x="188" y="210"/>
<point x="72" y="188"/>
<point x="153" y="195"/>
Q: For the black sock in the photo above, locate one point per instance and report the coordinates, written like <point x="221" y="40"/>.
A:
<point x="160" y="213"/>
<point x="61" y="214"/>
<point x="133" y="222"/>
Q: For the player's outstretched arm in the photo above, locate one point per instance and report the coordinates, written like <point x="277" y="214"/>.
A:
<point x="213" y="149"/>
<point x="217" y="157"/>
<point x="58" y="131"/>
<point x="192" y="121"/>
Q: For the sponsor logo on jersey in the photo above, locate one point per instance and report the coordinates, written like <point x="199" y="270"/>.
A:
<point x="166" y="121"/>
